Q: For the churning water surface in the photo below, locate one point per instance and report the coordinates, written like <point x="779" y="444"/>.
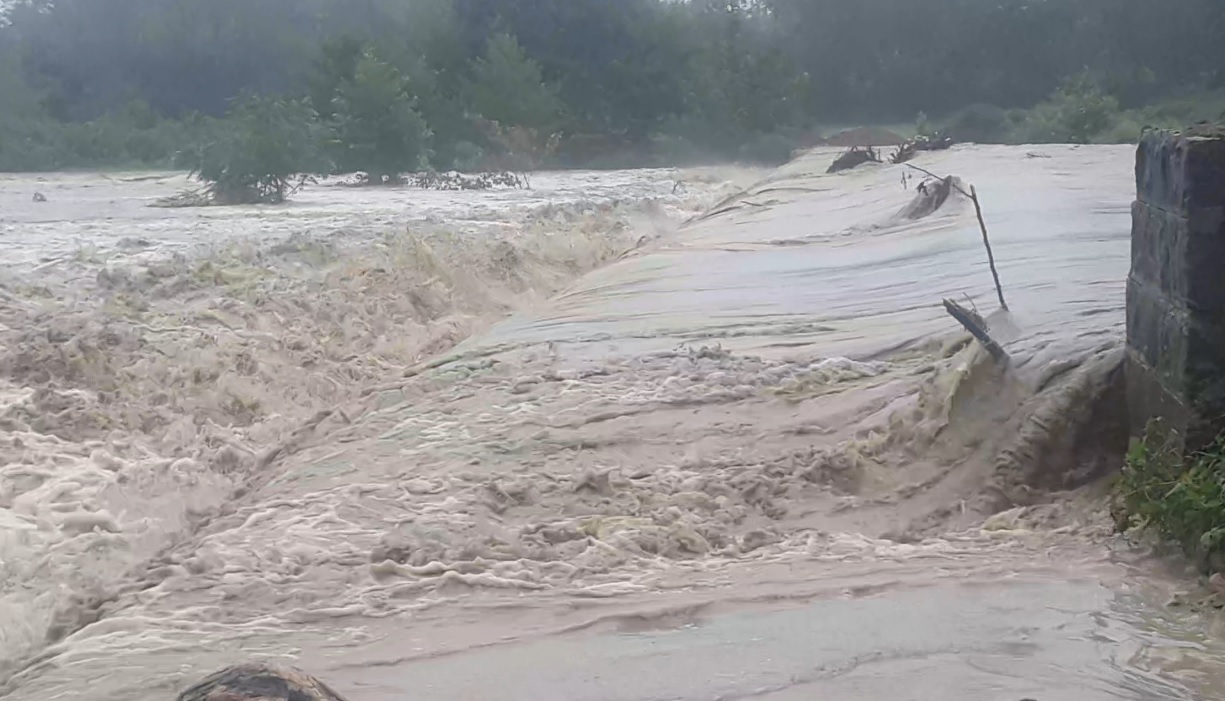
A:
<point x="631" y="435"/>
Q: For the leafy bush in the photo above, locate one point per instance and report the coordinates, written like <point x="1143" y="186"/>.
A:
<point x="508" y="87"/>
<point x="1077" y="112"/>
<point x="1084" y="109"/>
<point x="521" y="149"/>
<point x="1181" y="110"/>
<point x="265" y="143"/>
<point x="767" y="149"/>
<point x="132" y="136"/>
<point x="1126" y="129"/>
<point x="27" y="145"/>
<point x="1060" y="120"/>
<point x="980" y="124"/>
<point x="467" y="156"/>
<point x="335" y="65"/>
<point x="376" y="126"/>
<point x="1180" y="498"/>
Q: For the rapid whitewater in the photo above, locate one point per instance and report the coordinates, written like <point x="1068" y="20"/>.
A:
<point x="643" y="434"/>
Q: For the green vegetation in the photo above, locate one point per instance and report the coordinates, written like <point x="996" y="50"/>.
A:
<point x="1077" y="112"/>
<point x="1178" y="498"/>
<point x="265" y="143"/>
<point x="1081" y="112"/>
<point x="406" y="84"/>
<point x="376" y="128"/>
<point x="508" y="87"/>
<point x="129" y="136"/>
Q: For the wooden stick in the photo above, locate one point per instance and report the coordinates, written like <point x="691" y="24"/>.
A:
<point x="999" y="290"/>
<point x="977" y="327"/>
<point x="937" y="177"/>
<point x="978" y="210"/>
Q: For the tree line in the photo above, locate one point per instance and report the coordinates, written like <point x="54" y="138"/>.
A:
<point x="461" y="83"/>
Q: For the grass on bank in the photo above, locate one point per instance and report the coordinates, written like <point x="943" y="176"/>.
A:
<point x="1179" y="498"/>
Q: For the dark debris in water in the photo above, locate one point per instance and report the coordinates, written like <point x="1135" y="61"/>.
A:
<point x="854" y="157"/>
<point x="462" y="181"/>
<point x="260" y="682"/>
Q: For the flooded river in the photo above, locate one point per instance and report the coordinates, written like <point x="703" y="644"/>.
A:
<point x="632" y="435"/>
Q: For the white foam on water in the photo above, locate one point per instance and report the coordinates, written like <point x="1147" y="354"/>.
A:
<point x="309" y="438"/>
<point x="152" y="358"/>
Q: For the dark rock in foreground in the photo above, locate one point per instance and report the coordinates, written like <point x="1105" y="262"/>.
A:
<point x="260" y="682"/>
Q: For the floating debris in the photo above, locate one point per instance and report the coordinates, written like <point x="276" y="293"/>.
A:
<point x="856" y="156"/>
<point x="462" y="181"/>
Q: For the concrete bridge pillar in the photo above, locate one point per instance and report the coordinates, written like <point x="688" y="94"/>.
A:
<point x="1176" y="289"/>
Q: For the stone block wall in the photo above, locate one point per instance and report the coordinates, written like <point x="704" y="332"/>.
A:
<point x="1176" y="289"/>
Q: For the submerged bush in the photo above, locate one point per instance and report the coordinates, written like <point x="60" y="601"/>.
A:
<point x="265" y="144"/>
<point x="1180" y="498"/>
<point x="376" y="127"/>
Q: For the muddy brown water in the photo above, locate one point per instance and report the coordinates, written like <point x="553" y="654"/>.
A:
<point x="749" y="457"/>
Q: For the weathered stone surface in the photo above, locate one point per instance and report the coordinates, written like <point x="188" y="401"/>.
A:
<point x="1183" y="352"/>
<point x="1182" y="171"/>
<point x="1183" y="255"/>
<point x="1159" y="249"/>
<point x="1205" y="256"/>
<point x="1176" y="290"/>
<point x="1205" y="372"/>
<point x="1157" y="333"/>
<point x="1148" y="398"/>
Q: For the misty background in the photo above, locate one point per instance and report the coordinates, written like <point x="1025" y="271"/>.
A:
<point x="117" y="83"/>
